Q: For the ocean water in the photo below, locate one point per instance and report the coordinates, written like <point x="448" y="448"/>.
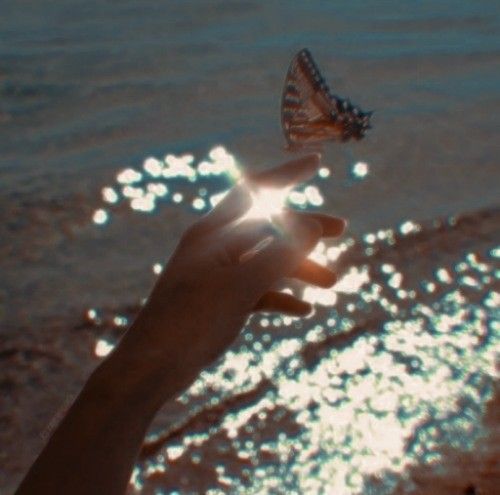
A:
<point x="121" y="121"/>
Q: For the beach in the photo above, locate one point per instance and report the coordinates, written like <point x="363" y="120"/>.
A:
<point x="106" y="103"/>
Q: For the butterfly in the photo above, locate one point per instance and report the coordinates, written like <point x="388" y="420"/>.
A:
<point x="310" y="113"/>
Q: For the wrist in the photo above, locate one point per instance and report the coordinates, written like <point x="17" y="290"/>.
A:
<point x="141" y="373"/>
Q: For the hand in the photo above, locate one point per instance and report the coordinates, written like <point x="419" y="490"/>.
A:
<point x="226" y="267"/>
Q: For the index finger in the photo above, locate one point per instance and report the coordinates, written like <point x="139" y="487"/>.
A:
<point x="288" y="174"/>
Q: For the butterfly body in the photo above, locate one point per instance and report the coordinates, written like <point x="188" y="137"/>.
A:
<point x="310" y="113"/>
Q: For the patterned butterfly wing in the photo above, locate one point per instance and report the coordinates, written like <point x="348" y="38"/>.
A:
<point x="310" y="114"/>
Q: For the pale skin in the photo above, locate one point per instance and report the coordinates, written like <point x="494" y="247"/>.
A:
<point x="223" y="270"/>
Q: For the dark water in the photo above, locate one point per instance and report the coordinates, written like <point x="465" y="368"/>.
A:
<point x="386" y="391"/>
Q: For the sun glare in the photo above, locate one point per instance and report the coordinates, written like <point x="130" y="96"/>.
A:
<point x="266" y="203"/>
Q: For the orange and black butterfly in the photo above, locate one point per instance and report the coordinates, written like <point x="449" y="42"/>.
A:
<point x="310" y="114"/>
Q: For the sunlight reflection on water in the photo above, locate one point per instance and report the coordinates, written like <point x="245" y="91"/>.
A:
<point x="165" y="181"/>
<point x="329" y="412"/>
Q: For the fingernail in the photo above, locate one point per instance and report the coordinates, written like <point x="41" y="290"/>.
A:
<point x="302" y="309"/>
<point x="310" y="313"/>
<point x="331" y="280"/>
<point x="306" y="309"/>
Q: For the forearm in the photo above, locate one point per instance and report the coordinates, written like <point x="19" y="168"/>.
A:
<point x="94" y="448"/>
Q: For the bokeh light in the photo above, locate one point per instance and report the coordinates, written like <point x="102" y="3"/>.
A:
<point x="390" y="368"/>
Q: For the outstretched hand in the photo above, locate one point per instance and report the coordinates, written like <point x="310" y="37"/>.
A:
<point x="227" y="266"/>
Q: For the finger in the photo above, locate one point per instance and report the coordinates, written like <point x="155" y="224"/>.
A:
<point x="300" y="231"/>
<point x="331" y="226"/>
<point x="281" y="302"/>
<point x="233" y="206"/>
<point x="288" y="174"/>
<point x="313" y="273"/>
<point x="239" y="200"/>
<point x="282" y="256"/>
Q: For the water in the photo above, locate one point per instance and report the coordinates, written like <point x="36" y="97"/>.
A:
<point x="375" y="394"/>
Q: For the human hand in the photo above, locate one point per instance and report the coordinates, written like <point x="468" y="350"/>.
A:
<point x="226" y="267"/>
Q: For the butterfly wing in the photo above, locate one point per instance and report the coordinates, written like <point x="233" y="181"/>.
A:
<point x="310" y="114"/>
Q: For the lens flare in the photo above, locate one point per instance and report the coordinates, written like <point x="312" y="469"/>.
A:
<point x="266" y="203"/>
